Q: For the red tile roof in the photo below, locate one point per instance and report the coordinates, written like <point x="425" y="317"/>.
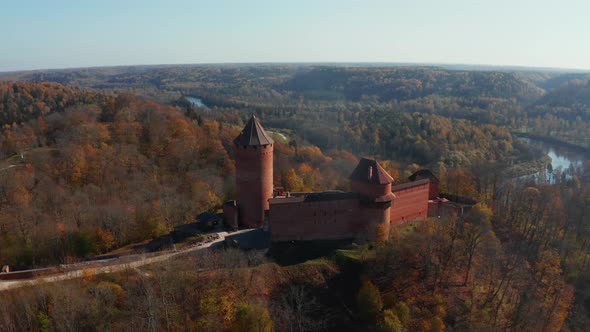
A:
<point x="369" y="171"/>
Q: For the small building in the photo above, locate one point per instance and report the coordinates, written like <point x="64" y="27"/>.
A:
<point x="206" y="221"/>
<point x="209" y="220"/>
<point x="230" y="213"/>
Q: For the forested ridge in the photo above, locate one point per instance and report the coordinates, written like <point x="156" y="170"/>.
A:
<point x="74" y="185"/>
<point x="20" y="102"/>
<point x="83" y="179"/>
<point x="87" y="171"/>
<point x="409" y="83"/>
<point x="311" y="99"/>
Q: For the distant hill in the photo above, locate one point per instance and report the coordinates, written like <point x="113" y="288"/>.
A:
<point x="20" y="102"/>
<point x="411" y="83"/>
<point x="313" y="100"/>
<point x="568" y="101"/>
<point x="350" y="81"/>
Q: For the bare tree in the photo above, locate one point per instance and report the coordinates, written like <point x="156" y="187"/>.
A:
<point x="297" y="311"/>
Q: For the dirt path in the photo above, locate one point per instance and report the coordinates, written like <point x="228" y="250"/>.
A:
<point x="129" y="262"/>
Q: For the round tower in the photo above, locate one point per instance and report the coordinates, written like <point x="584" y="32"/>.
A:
<point x="254" y="173"/>
<point x="373" y="184"/>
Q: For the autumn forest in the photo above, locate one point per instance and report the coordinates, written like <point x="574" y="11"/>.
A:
<point x="93" y="160"/>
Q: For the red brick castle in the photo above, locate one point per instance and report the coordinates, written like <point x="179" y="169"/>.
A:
<point x="364" y="213"/>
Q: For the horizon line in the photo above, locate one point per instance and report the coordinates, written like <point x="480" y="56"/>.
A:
<point x="334" y="63"/>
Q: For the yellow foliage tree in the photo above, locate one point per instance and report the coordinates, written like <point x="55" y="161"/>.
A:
<point x="293" y="182"/>
<point x="369" y="302"/>
<point x="252" y="318"/>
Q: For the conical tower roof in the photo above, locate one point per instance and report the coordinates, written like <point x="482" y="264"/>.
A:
<point x="369" y="171"/>
<point x="253" y="134"/>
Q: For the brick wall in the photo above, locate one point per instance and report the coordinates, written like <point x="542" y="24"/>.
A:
<point x="410" y="202"/>
<point x="434" y="192"/>
<point x="321" y="220"/>
<point x="369" y="189"/>
<point x="376" y="217"/>
<point x="254" y="183"/>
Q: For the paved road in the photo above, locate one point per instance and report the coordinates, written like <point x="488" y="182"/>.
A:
<point x="131" y="262"/>
<point x="9" y="167"/>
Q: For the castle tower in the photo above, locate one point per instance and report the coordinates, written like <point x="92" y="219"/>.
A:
<point x="254" y="178"/>
<point x="373" y="184"/>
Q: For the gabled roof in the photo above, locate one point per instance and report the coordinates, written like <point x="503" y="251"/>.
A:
<point x="253" y="134"/>
<point x="369" y="171"/>
<point x="408" y="185"/>
<point x="423" y="174"/>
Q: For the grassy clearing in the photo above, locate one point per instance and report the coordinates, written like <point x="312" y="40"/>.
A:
<point x="317" y="261"/>
<point x="279" y="135"/>
<point x="346" y="258"/>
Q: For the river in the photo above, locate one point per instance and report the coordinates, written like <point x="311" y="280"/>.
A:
<point x="564" y="160"/>
<point x="196" y="101"/>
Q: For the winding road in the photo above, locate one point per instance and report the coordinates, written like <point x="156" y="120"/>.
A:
<point x="111" y="265"/>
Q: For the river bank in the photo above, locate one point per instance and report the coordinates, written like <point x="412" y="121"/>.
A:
<point x="561" y="160"/>
<point x="526" y="168"/>
<point x="553" y="141"/>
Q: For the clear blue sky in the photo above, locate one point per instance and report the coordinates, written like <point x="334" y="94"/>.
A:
<point x="67" y="33"/>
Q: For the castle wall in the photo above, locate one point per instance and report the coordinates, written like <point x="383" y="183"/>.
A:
<point x="434" y="191"/>
<point x="365" y="213"/>
<point x="320" y="220"/>
<point x="254" y="183"/>
<point x="411" y="202"/>
<point x="370" y="189"/>
<point x="434" y="208"/>
<point x="443" y="207"/>
<point x="376" y="220"/>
